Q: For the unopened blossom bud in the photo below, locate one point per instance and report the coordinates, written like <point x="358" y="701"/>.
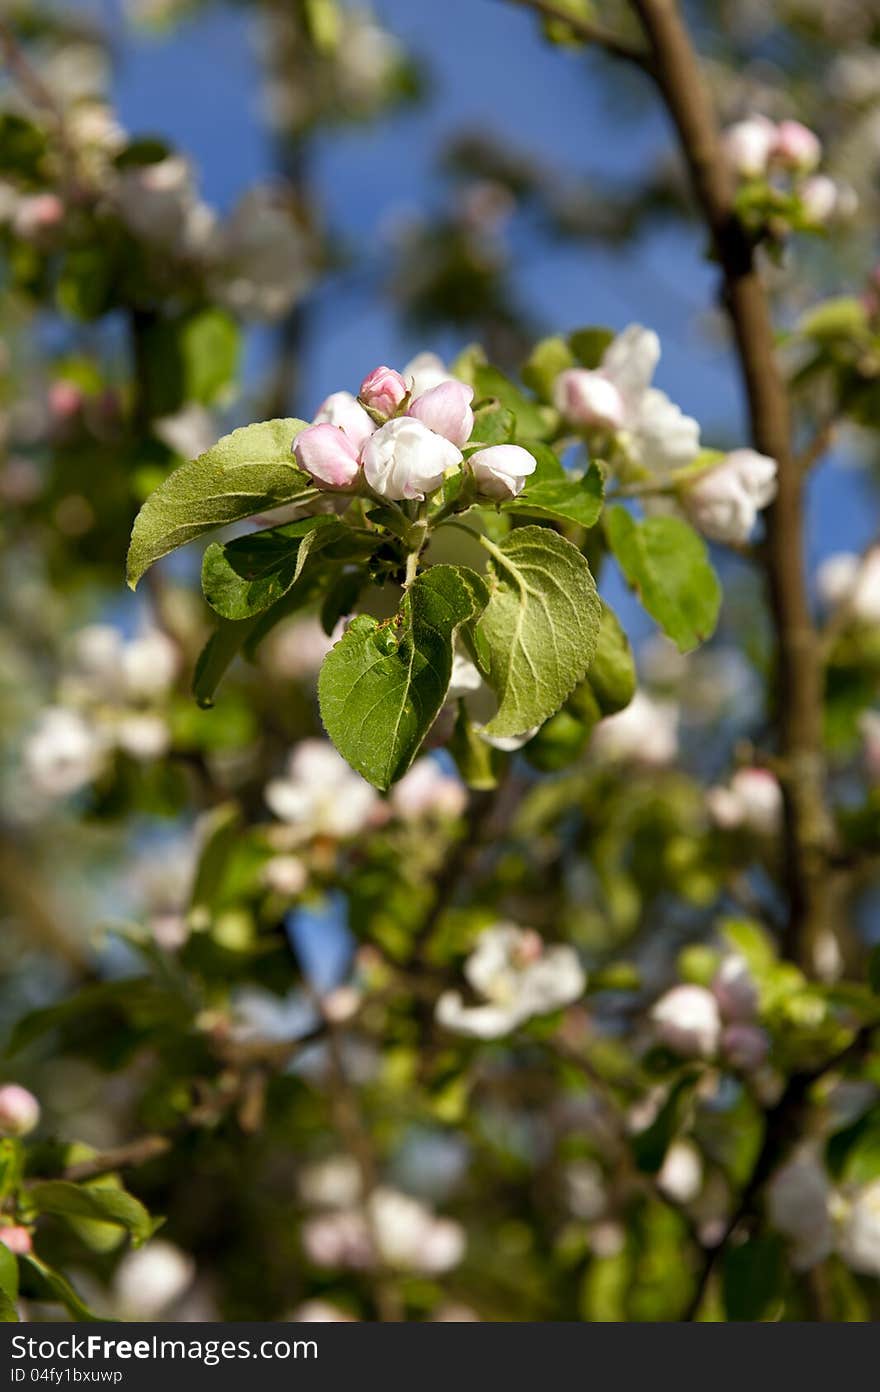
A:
<point x="17" y="1239"/>
<point x="688" y="1022"/>
<point x="446" y="409"/>
<point x="501" y="470"/>
<point x="748" y="145"/>
<point x="745" y="1047"/>
<point x="65" y="400"/>
<point x="589" y="398"/>
<point x="723" y="503"/>
<point x="36" y="213"/>
<point x="404" y="459"/>
<point x="818" y="196"/>
<point x="345" y="411"/>
<point x="328" y="454"/>
<point x="735" y="991"/>
<point x="796" y="146"/>
<point x="19" y="1110"/>
<point x="382" y="390"/>
<point x="680" y="1176"/>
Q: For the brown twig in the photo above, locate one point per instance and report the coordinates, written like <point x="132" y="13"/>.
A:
<point x="123" y="1157"/>
<point x="591" y="32"/>
<point x="808" y="830"/>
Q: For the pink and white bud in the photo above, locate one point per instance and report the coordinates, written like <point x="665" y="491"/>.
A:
<point x="501" y="470"/>
<point x="748" y="146"/>
<point x="404" y="459"/>
<point x="735" y="991"/>
<point x="796" y="147"/>
<point x="36" y="213"/>
<point x="753" y="800"/>
<point x="819" y="200"/>
<point x="589" y="399"/>
<point x="426" y="791"/>
<point x="723" y="502"/>
<point x="382" y="390"/>
<point x="65" y="400"/>
<point x="328" y="454"/>
<point x="745" y="1047"/>
<point x="346" y="412"/>
<point x="17" y="1239"/>
<point x="446" y="409"/>
<point x="687" y="1020"/>
<point x="19" y="1110"/>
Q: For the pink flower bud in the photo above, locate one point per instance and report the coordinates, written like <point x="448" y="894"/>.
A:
<point x="589" y="398"/>
<point x="796" y="147"/>
<point x="328" y="454"/>
<point x="65" y="400"/>
<point x="36" y="213"/>
<point x="819" y="199"/>
<point x="735" y="990"/>
<point x="19" y="1110"/>
<point x="446" y="409"/>
<point x="17" y="1239"/>
<point x="343" y="410"/>
<point x="687" y="1021"/>
<point x="501" y="470"/>
<point x="748" y="146"/>
<point x="383" y="390"/>
<point x="745" y="1046"/>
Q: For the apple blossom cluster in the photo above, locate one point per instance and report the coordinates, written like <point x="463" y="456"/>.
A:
<point x="714" y="1022"/>
<point x="759" y="149"/>
<point x="403" y="436"/>
<point x="320" y="795"/>
<point x="517" y="976"/>
<point x="110" y="698"/>
<point x="388" y="1227"/>
<point x="752" y="801"/>
<point x="615" y="405"/>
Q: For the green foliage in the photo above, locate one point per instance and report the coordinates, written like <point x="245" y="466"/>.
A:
<point x="753" y="1276"/>
<point x="246" y="472"/>
<point x="246" y="576"/>
<point x="192" y="357"/>
<point x="537" y="635"/>
<point x="564" y="499"/>
<point x="383" y="684"/>
<point x="8" y="1286"/>
<point x="668" y="567"/>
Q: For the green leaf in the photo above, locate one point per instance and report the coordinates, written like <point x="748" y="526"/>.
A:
<point x="589" y="345"/>
<point x="532" y="419"/>
<point x="544" y="364"/>
<point x="754" y="1278"/>
<point x="493" y="425"/>
<point x="667" y="564"/>
<point x="247" y="575"/>
<point x="193" y="357"/>
<point x="54" y="1286"/>
<point x="220" y="836"/>
<point x="612" y="674"/>
<point x="382" y="685"/>
<point x="650" y="1146"/>
<point x="842" y="317"/>
<point x="476" y="759"/>
<point x="853" y="1154"/>
<point x="217" y="656"/>
<point x="104" y="1203"/>
<point x="537" y="635"/>
<point x="563" y="500"/>
<point x="246" y="472"/>
<point x="8" y="1279"/>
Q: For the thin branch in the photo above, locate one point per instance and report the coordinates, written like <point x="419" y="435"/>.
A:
<point x="590" y="32"/>
<point x="799" y="685"/>
<point x="138" y="1152"/>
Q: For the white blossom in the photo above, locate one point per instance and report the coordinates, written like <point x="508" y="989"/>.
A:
<point x="858" y="1238"/>
<point x="680" y="1176"/>
<point x="427" y="791"/>
<point x="517" y="977"/>
<point x="645" y="732"/>
<point x="331" y="1183"/>
<point x="849" y="584"/>
<point x="147" y="1282"/>
<point x="425" y="371"/>
<point x="653" y="434"/>
<point x="723" y="502"/>
<point x="64" y="753"/>
<point x="404" y="459"/>
<point x="320" y="794"/>
<point x="753" y="799"/>
<point x="798" y="1198"/>
<point x="687" y="1020"/>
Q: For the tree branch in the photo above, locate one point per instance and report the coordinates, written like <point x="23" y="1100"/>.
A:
<point x="799" y="694"/>
<point x="590" y="32"/>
